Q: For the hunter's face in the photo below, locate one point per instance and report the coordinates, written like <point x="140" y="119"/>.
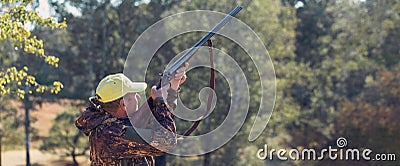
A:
<point x="131" y="102"/>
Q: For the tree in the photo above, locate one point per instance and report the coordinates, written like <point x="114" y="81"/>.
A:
<point x="97" y="41"/>
<point x="15" y="17"/>
<point x="64" y="138"/>
<point x="277" y="33"/>
<point x="11" y="126"/>
<point x="371" y="118"/>
<point x="339" y="47"/>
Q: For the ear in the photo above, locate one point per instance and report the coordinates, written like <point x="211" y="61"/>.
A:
<point x="121" y="103"/>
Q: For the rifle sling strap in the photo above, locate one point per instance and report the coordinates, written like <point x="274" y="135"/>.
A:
<point x="210" y="94"/>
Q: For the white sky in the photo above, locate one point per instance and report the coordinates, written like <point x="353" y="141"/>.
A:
<point x="45" y="11"/>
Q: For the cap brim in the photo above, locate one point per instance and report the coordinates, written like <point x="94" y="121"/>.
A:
<point x="134" y="87"/>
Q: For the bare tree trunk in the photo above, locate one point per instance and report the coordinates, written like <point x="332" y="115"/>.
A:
<point x="74" y="143"/>
<point x="206" y="161"/>
<point x="207" y="156"/>
<point x="161" y="160"/>
<point x="104" y="35"/>
<point x="92" y="75"/>
<point x="74" y="157"/>
<point x="27" y="123"/>
<point x="1" y="139"/>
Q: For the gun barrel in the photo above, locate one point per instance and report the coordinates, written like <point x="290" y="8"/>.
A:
<point x="168" y="73"/>
<point x="204" y="39"/>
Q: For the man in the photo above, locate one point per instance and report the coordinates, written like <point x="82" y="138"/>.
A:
<point x="113" y="139"/>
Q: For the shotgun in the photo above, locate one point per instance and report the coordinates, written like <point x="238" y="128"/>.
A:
<point x="169" y="73"/>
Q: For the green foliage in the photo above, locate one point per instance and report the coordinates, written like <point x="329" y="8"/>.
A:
<point x="15" y="18"/>
<point x="336" y="64"/>
<point x="14" y="78"/>
<point x="11" y="126"/>
<point x="371" y="117"/>
<point x="340" y="46"/>
<point x="277" y="33"/>
<point x="64" y="138"/>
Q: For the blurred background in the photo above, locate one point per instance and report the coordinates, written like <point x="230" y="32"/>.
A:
<point x="337" y="66"/>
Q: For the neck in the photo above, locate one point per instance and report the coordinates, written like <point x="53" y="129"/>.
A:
<point x="120" y="114"/>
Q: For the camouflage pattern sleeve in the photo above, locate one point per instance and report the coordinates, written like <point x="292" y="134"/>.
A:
<point x="164" y="131"/>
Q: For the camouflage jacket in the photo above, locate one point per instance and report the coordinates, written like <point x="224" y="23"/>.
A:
<point x="107" y="145"/>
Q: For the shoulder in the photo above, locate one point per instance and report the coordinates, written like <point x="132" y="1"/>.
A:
<point x="112" y="126"/>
